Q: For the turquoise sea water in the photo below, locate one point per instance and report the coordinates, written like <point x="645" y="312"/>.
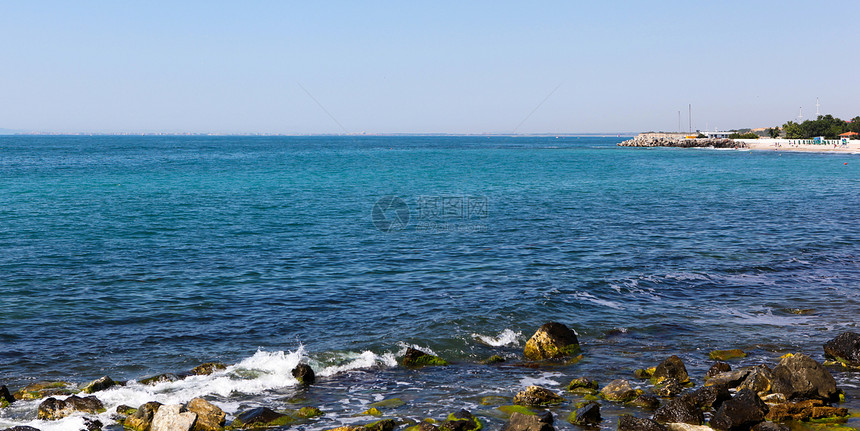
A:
<point x="131" y="256"/>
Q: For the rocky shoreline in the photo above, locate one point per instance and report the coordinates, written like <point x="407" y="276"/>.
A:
<point x="670" y="140"/>
<point x="763" y="397"/>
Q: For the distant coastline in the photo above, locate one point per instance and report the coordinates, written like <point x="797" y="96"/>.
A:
<point x="683" y="140"/>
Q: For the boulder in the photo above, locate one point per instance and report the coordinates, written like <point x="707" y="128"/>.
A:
<point x="461" y="421"/>
<point x="261" y="417"/>
<point x="208" y="368"/>
<point x="758" y="380"/>
<point x="417" y="358"/>
<point x="551" y="341"/>
<point x="141" y="419"/>
<point x="717" y="368"/>
<point x="209" y="416"/>
<point x="34" y="391"/>
<point x="681" y="409"/>
<point x="160" y="378"/>
<point x="632" y="423"/>
<point x="587" y="415"/>
<point x="173" y="417"/>
<point x="6" y="398"/>
<point x="730" y="378"/>
<point x="803" y="411"/>
<point x="53" y="409"/>
<point x="383" y="425"/>
<point x="21" y="428"/>
<point x="672" y="368"/>
<point x="710" y="397"/>
<point x="644" y="401"/>
<point x="845" y="348"/>
<point x="98" y="385"/>
<point x="725" y="355"/>
<point x="741" y="412"/>
<point x="521" y="422"/>
<point x="537" y="396"/>
<point x="800" y="377"/>
<point x="620" y="391"/>
<point x="669" y="388"/>
<point x="304" y="374"/>
<point x="584" y="386"/>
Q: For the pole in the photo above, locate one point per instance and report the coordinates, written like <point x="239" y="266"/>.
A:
<point x="691" y="117"/>
<point x="679" y="121"/>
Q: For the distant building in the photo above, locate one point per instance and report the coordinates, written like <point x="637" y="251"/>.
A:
<point x="849" y="135"/>
<point x="717" y="135"/>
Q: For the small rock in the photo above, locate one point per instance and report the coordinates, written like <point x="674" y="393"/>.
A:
<point x="417" y="358"/>
<point x="644" y="373"/>
<point x="383" y="425"/>
<point x="209" y="416"/>
<point x="537" y="396"/>
<point x="495" y="359"/>
<point x="632" y="423"/>
<point x="53" y="409"/>
<point x="461" y="421"/>
<point x="173" y="418"/>
<point x="304" y="374"/>
<point x="644" y="401"/>
<point x="142" y="418"/>
<point x="587" y="415"/>
<point x="717" y="368"/>
<point x="672" y="368"/>
<point x="373" y="411"/>
<point x="261" y="417"/>
<point x="682" y="409"/>
<point x="741" y="412"/>
<point x="521" y="422"/>
<point x="551" y="341"/>
<point x="92" y="424"/>
<point x="583" y="386"/>
<point x="494" y="400"/>
<point x="388" y="404"/>
<point x="711" y="397"/>
<point x="309" y="412"/>
<point x="725" y="355"/>
<point x="669" y="388"/>
<point x="770" y="426"/>
<point x="687" y="427"/>
<point x="845" y="348"/>
<point x="208" y="368"/>
<point x="160" y="378"/>
<point x="98" y="385"/>
<point x="800" y="377"/>
<point x="509" y="410"/>
<point x="620" y="391"/>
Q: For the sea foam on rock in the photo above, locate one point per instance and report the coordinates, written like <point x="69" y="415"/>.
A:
<point x="552" y="340"/>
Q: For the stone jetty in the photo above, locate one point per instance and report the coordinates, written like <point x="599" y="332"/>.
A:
<point x="679" y="140"/>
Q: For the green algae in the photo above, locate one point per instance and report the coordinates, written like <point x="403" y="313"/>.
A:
<point x="389" y="403"/>
<point x="511" y="409"/>
<point x="494" y="400"/>
<point x="725" y="355"/>
<point x="309" y="412"/>
<point x="373" y="411"/>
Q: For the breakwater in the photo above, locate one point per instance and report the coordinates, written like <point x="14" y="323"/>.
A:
<point x="679" y="140"/>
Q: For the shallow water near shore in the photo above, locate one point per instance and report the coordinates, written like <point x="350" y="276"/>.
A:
<point x="133" y="256"/>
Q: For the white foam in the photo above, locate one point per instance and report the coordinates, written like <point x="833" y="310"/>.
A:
<point x="505" y="338"/>
<point x="585" y="296"/>
<point x="363" y="360"/>
<point x="545" y="379"/>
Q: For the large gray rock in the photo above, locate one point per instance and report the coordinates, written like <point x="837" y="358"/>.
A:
<point x="632" y="423"/>
<point x="552" y="340"/>
<point x="758" y="380"/>
<point x="521" y="422"/>
<point x="800" y="377"/>
<point x="845" y="348"/>
<point x="740" y="413"/>
<point x="53" y="409"/>
<point x="173" y="417"/>
<point x="209" y="416"/>
<point x="261" y="417"/>
<point x="710" y="397"/>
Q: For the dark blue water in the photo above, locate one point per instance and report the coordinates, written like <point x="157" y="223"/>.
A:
<point x="130" y="256"/>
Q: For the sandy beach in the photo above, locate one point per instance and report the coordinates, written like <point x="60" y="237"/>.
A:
<point x="853" y="146"/>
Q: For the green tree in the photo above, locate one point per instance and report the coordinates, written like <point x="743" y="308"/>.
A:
<point x="792" y="130"/>
<point x="854" y="125"/>
<point x="773" y="132"/>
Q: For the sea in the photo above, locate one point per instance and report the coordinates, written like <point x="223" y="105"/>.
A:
<point x="131" y="256"/>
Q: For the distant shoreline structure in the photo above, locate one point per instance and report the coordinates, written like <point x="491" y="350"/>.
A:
<point x="684" y="140"/>
<point x="178" y="134"/>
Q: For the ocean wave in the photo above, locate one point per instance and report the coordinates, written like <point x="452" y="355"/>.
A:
<point x="505" y="338"/>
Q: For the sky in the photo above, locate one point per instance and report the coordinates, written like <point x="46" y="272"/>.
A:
<point x="423" y="67"/>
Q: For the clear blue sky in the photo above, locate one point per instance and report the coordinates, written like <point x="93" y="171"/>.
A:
<point x="451" y="67"/>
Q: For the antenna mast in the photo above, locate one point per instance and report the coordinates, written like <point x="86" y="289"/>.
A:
<point x="800" y="116"/>
<point x="816" y="108"/>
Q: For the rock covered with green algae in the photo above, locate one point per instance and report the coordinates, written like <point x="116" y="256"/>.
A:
<point x="672" y="368"/>
<point x="373" y="411"/>
<point x="309" y="412"/>
<point x="552" y="340"/>
<point x="98" y="385"/>
<point x="6" y="398"/>
<point x="388" y="404"/>
<point x="160" y="378"/>
<point x="619" y="390"/>
<point x="586" y="415"/>
<point x="511" y="409"/>
<point x="208" y="368"/>
<point x="34" y="391"/>
<point x="141" y="419"/>
<point x="725" y="355"/>
<point x="261" y="417"/>
<point x="537" y="396"/>
<point x="582" y="385"/>
<point x="304" y="374"/>
<point x="461" y="421"/>
<point x="53" y="409"/>
<point x="416" y="358"/>
<point x="845" y="349"/>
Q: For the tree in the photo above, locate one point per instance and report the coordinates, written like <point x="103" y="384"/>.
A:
<point x="854" y="125"/>
<point x="773" y="132"/>
<point x="792" y="130"/>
